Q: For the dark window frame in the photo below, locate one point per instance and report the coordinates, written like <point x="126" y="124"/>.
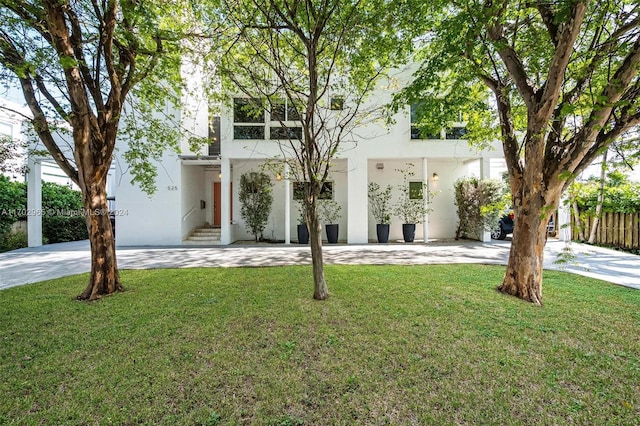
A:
<point x="416" y="193"/>
<point x="336" y="103"/>
<point x="326" y="193"/>
<point x="244" y="112"/>
<point x="285" y="133"/>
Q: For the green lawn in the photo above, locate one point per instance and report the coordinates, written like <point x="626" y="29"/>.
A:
<point x="393" y="345"/>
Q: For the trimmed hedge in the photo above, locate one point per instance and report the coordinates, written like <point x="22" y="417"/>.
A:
<point x="56" y="228"/>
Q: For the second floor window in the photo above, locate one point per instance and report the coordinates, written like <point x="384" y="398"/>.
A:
<point x="456" y="132"/>
<point x="285" y="111"/>
<point x="247" y="113"/>
<point x="416" y="132"/>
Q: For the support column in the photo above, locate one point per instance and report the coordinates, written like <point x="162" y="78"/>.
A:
<point x="287" y="205"/>
<point x="425" y="200"/>
<point x="563" y="222"/>
<point x="225" y="200"/>
<point x="358" y="202"/>
<point x="485" y="173"/>
<point x="34" y="204"/>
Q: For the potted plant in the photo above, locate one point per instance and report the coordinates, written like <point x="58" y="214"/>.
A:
<point x="379" y="203"/>
<point x="330" y="213"/>
<point x="303" y="230"/>
<point x="410" y="207"/>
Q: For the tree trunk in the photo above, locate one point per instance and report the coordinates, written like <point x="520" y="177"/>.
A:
<point x="320" y="290"/>
<point x="104" y="277"/>
<point x="523" y="278"/>
<point x="579" y="224"/>
<point x="596" y="219"/>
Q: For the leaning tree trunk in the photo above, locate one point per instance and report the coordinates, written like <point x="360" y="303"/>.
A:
<point x="320" y="290"/>
<point x="104" y="277"/>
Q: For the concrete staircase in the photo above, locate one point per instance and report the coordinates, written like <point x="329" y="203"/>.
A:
<point x="203" y="236"/>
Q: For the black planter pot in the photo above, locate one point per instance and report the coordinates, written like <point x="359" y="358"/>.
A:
<point x="303" y="234"/>
<point x="332" y="232"/>
<point x="382" y="230"/>
<point x="408" y="232"/>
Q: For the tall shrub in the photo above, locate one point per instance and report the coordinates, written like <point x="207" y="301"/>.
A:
<point x="256" y="200"/>
<point x="480" y="203"/>
<point x="63" y="215"/>
<point x="13" y="199"/>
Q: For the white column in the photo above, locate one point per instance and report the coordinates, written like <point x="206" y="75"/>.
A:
<point x="358" y="202"/>
<point x="425" y="200"/>
<point x="225" y="200"/>
<point x="563" y="222"/>
<point x="34" y="204"/>
<point x="485" y="173"/>
<point x="287" y="205"/>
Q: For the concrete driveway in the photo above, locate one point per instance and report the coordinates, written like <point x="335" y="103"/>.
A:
<point x="58" y="260"/>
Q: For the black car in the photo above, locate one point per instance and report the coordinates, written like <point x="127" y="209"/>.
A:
<point x="505" y="226"/>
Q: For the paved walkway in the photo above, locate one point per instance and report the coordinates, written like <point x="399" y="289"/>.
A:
<point x="58" y="260"/>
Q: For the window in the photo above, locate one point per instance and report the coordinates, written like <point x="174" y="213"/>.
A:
<point x="336" y="103"/>
<point x="284" y="132"/>
<point x="247" y="111"/>
<point x="456" y="132"/>
<point x="285" y="111"/>
<point x="214" y="136"/>
<point x="416" y="132"/>
<point x="326" y="193"/>
<point x="415" y="190"/>
<point x="248" y="132"/>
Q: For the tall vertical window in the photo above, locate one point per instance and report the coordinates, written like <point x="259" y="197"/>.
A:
<point x="214" y="136"/>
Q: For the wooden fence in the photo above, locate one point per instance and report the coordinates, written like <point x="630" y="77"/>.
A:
<point x="615" y="229"/>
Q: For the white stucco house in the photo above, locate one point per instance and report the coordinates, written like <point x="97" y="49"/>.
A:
<point x="197" y="197"/>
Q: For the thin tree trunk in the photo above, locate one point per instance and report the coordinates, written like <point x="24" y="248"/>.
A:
<point x="576" y="217"/>
<point x="320" y="290"/>
<point x="596" y="219"/>
<point x="104" y="278"/>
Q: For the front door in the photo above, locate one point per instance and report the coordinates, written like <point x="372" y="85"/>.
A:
<point x="217" y="204"/>
<point x="217" y="208"/>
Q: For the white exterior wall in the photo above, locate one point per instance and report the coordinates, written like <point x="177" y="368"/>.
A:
<point x="155" y="219"/>
<point x="193" y="192"/>
<point x="170" y="215"/>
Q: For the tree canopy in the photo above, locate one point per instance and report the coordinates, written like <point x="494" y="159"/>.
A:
<point x="565" y="85"/>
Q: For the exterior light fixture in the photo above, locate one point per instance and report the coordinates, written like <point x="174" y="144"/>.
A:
<point x="435" y="177"/>
<point x="278" y="177"/>
<point x="379" y="166"/>
<point x="219" y="175"/>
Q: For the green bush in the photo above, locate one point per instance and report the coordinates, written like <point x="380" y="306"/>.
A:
<point x="60" y="229"/>
<point x="13" y="199"/>
<point x="619" y="197"/>
<point x="56" y="201"/>
<point x="13" y="241"/>
<point x="480" y="204"/>
<point x="256" y="199"/>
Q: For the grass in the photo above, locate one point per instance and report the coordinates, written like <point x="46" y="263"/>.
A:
<point x="393" y="345"/>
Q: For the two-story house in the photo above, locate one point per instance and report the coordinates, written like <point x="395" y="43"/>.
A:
<point x="197" y="198"/>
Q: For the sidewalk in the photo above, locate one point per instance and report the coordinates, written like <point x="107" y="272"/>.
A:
<point x="58" y="260"/>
